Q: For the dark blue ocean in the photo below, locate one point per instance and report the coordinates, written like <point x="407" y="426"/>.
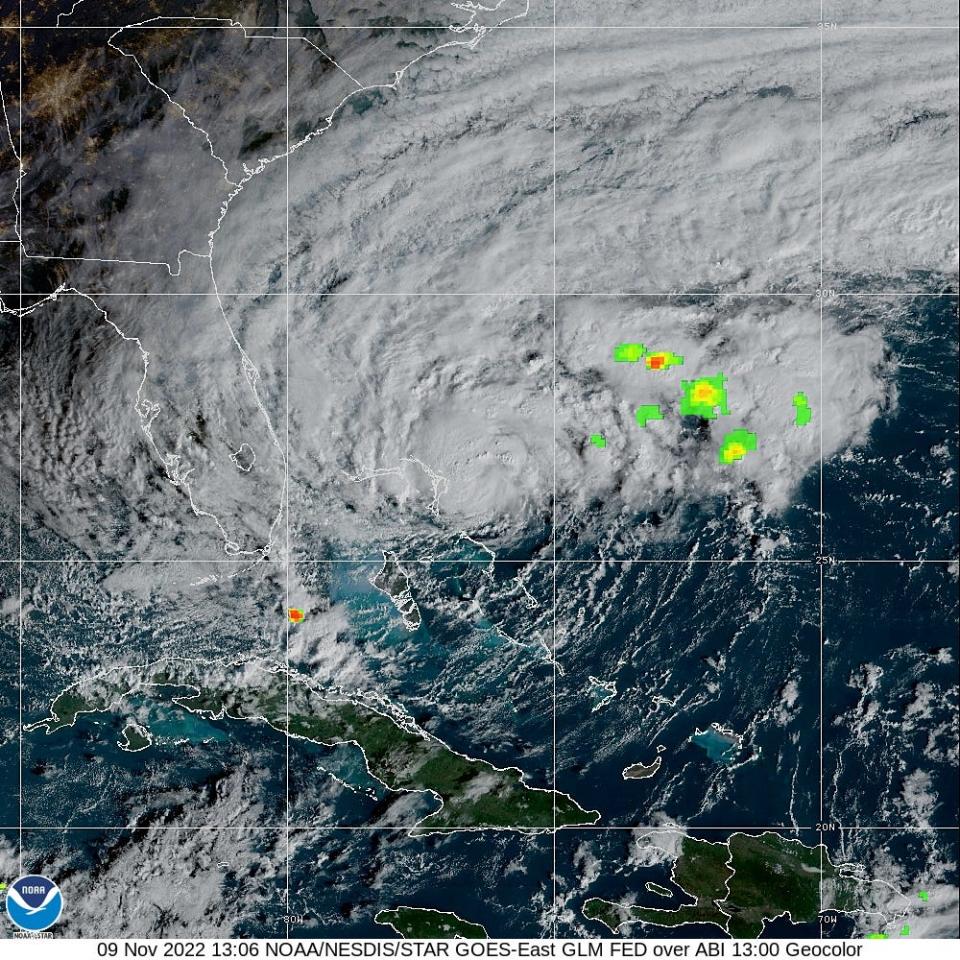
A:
<point x="794" y="691"/>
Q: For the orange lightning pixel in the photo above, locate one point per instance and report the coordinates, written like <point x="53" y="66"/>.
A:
<point x="295" y="614"/>
<point x="663" y="360"/>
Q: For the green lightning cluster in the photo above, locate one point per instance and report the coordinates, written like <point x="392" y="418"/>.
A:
<point x="648" y="411"/>
<point x="629" y="352"/>
<point x="704" y="397"/>
<point x="736" y="445"/>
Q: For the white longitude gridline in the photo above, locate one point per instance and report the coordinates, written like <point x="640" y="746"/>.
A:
<point x="820" y="295"/>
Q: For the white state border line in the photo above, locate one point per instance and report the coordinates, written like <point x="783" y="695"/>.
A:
<point x="287" y="153"/>
<point x="764" y="920"/>
<point x="851" y="26"/>
<point x="147" y="410"/>
<point x="17" y="200"/>
<point x="918" y="294"/>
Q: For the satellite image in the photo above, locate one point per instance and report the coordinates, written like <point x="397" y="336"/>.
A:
<point x="479" y="469"/>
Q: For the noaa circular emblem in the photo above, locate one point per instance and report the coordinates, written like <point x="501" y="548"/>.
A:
<point x="34" y="903"/>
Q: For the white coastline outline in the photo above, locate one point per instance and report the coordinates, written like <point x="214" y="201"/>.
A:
<point x="370" y="700"/>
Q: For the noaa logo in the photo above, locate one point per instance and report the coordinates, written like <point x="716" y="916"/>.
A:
<point x="34" y="903"/>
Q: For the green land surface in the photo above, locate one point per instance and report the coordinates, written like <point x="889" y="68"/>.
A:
<point x="739" y="884"/>
<point x="658" y="890"/>
<point x="415" y="923"/>
<point x="134" y="739"/>
<point x="474" y="793"/>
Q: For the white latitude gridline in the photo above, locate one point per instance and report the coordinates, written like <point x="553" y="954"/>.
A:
<point x="287" y="828"/>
